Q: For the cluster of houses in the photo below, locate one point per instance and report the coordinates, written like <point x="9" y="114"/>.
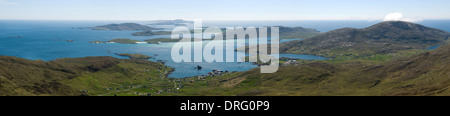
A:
<point x="290" y="62"/>
<point x="214" y="73"/>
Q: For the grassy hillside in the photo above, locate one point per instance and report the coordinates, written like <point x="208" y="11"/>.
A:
<point x="74" y="76"/>
<point x="423" y="74"/>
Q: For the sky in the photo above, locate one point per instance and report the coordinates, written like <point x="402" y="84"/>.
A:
<point x="224" y="9"/>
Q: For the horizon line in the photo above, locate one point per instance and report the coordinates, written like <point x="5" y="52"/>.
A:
<point x="204" y="19"/>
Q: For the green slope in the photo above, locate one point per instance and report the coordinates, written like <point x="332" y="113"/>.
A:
<point x="423" y="74"/>
<point x="71" y="76"/>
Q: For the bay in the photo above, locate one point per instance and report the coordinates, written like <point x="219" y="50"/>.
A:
<point x="47" y="40"/>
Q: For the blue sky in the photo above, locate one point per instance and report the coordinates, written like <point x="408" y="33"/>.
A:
<point x="221" y="9"/>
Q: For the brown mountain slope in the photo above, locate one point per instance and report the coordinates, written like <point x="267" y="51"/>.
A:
<point x="26" y="77"/>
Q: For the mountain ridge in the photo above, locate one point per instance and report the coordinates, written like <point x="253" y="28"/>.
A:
<point x="381" y="38"/>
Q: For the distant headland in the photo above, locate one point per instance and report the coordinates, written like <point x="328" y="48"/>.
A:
<point x="122" y="27"/>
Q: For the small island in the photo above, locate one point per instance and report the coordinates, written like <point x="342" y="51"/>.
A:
<point x="285" y="32"/>
<point x="125" y="41"/>
<point x="151" y="33"/>
<point x="130" y="41"/>
<point x="98" y="42"/>
<point x="170" y="22"/>
<point x="122" y="27"/>
<point x="135" y="56"/>
<point x="161" y="40"/>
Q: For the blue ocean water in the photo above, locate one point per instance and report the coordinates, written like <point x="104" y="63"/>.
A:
<point x="433" y="47"/>
<point x="46" y="40"/>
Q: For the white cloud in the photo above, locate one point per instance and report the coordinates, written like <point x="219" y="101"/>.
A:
<point x="396" y="16"/>
<point x="6" y="2"/>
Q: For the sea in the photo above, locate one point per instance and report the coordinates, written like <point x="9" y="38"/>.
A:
<point x="47" y="40"/>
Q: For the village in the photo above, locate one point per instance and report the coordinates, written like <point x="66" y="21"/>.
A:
<point x="147" y="88"/>
<point x="170" y="86"/>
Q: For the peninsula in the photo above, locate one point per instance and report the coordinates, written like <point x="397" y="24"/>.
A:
<point x="135" y="56"/>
